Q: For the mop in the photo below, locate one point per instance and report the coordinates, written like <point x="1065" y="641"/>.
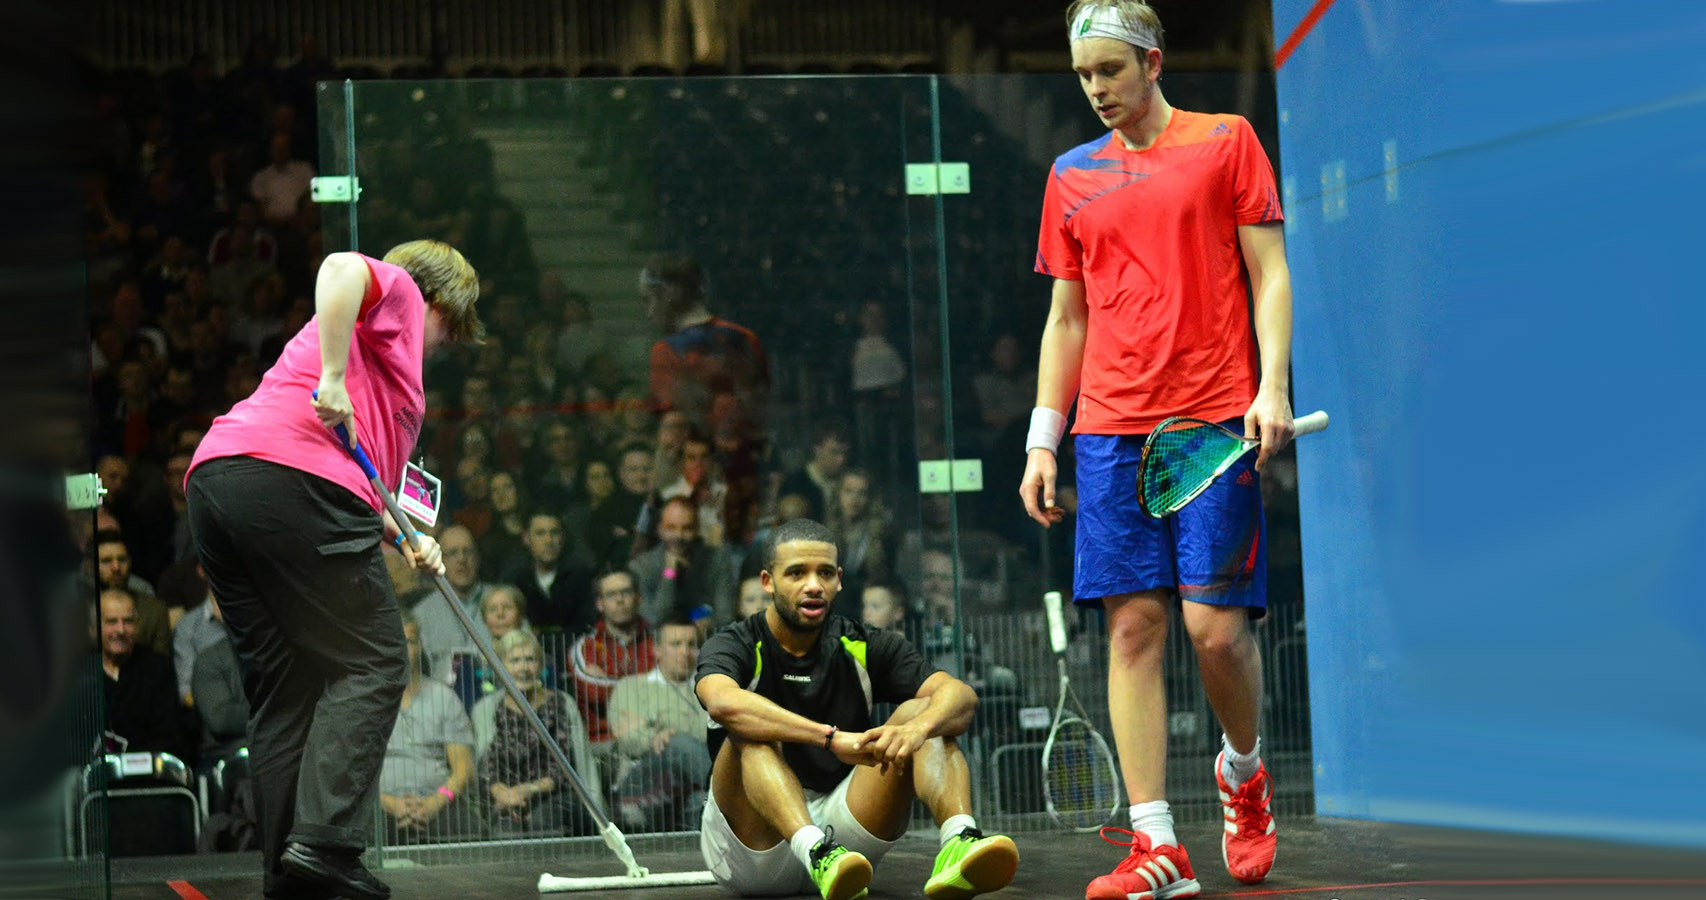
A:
<point x="636" y="876"/>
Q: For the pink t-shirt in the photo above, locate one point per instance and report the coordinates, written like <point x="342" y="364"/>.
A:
<point x="277" y="422"/>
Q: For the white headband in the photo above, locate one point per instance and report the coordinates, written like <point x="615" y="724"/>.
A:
<point x="1106" y="22"/>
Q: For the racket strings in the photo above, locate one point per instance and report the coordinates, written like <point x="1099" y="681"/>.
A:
<point x="1079" y="777"/>
<point x="1178" y="461"/>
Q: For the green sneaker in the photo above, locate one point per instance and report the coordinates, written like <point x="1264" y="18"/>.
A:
<point x="839" y="873"/>
<point x="970" y="864"/>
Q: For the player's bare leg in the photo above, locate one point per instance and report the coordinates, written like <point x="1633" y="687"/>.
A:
<point x="757" y="792"/>
<point x="1230" y="661"/>
<point x="969" y="862"/>
<point x="937" y="774"/>
<point x="1231" y="664"/>
<point x="1155" y="865"/>
<point x="1137" y="696"/>
<point x="765" y="805"/>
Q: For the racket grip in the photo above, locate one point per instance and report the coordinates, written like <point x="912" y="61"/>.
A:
<point x="359" y="454"/>
<point x="1315" y="421"/>
<point x="1056" y="622"/>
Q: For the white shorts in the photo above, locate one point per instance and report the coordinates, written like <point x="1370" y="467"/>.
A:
<point x="775" y="872"/>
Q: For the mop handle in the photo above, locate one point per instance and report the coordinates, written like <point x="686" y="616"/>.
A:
<point x="485" y="646"/>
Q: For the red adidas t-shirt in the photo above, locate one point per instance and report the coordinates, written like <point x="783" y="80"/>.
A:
<point x="1153" y="234"/>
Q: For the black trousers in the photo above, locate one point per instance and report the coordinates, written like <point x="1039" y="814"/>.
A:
<point x="295" y="563"/>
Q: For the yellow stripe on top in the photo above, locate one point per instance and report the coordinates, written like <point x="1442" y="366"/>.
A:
<point x="856" y="649"/>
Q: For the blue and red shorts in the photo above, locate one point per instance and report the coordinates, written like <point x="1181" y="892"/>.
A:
<point x="1215" y="550"/>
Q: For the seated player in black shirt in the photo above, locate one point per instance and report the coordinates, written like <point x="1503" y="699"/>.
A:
<point x="804" y="790"/>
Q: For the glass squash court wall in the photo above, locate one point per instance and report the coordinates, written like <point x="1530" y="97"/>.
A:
<point x="882" y="307"/>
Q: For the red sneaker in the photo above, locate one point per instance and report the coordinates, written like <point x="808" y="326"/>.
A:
<point x="1248" y="844"/>
<point x="1147" y="873"/>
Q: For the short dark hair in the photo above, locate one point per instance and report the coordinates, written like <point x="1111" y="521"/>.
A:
<point x="891" y="585"/>
<point x="795" y="530"/>
<point x="554" y="516"/>
<point x="830" y="429"/>
<point x="677" y="271"/>
<point x="681" y="619"/>
<point x="609" y="571"/>
<point x="109" y="536"/>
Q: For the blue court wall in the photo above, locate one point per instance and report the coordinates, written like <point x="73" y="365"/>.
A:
<point x="1497" y="237"/>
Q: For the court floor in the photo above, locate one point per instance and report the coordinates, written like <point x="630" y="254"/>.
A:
<point x="1318" y="858"/>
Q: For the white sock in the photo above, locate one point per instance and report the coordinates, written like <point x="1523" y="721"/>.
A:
<point x="1236" y="767"/>
<point x="954" y="825"/>
<point x="802" y="843"/>
<point x="1155" y="820"/>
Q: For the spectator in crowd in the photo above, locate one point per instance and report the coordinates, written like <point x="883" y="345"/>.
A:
<point x="504" y="610"/>
<point x="1004" y="390"/>
<point x="659" y="728"/>
<point x="159" y="209"/>
<point x="883" y="605"/>
<point x="637" y="422"/>
<point x="598" y="417"/>
<point x="877" y="365"/>
<point x="165" y="274"/>
<point x="753" y="598"/>
<point x="213" y="189"/>
<point x="619" y="645"/>
<point x="216" y="695"/>
<point x="198" y="629"/>
<point x="698" y="480"/>
<point x="429" y="759"/>
<point x="130" y="421"/>
<point x="862" y="531"/>
<point x="479" y="407"/>
<point x="247" y="216"/>
<point x="540" y="360"/>
<point x="282" y="184"/>
<point x="473" y="507"/>
<point x="139" y="692"/>
<point x="714" y="371"/>
<point x="682" y="575"/>
<point x="152" y="626"/>
<point x="261" y="317"/>
<point x="579" y="341"/>
<point x="517" y="775"/>
<point x="610" y="511"/>
<point x="441" y="633"/>
<point x="879" y="382"/>
<point x="983" y="555"/>
<point x="619" y="517"/>
<point x="229" y="281"/>
<point x="177" y="468"/>
<point x="554" y="579"/>
<point x="673" y="428"/>
<point x="502" y="548"/>
<point x="554" y="467"/>
<point x="177" y="320"/>
<point x="817" y="479"/>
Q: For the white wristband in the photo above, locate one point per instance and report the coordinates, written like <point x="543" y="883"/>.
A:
<point x="1046" y="428"/>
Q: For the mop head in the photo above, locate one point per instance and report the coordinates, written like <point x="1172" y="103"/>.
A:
<point x="549" y="883"/>
<point x="637" y="877"/>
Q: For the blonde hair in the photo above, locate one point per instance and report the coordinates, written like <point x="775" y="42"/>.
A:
<point x="1135" y="13"/>
<point x="507" y="590"/>
<point x="517" y="639"/>
<point x="447" y="282"/>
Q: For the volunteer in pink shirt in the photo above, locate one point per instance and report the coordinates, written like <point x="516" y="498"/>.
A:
<point x="289" y="532"/>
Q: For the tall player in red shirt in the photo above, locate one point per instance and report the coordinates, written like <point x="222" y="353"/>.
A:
<point x="1149" y="233"/>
